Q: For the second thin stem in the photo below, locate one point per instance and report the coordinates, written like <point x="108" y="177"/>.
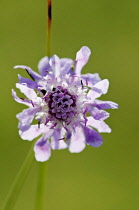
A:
<point x="41" y="189"/>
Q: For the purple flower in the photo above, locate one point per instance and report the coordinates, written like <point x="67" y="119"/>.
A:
<point x="59" y="101"/>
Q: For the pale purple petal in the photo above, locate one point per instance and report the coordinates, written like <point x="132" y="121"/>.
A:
<point x="29" y="83"/>
<point x="93" y="138"/>
<point x="77" y="141"/>
<point x="66" y="65"/>
<point x="90" y="79"/>
<point x="20" y="100"/>
<point x="82" y="57"/>
<point x="26" y="117"/>
<point x="31" y="133"/>
<point x="98" y="114"/>
<point x="30" y="93"/>
<point x="57" y="139"/>
<point x="99" y="89"/>
<point x="36" y="130"/>
<point x="32" y="73"/>
<point x="44" y="66"/>
<point x="55" y="65"/>
<point x="64" y="61"/>
<point x="105" y="104"/>
<point x="100" y="125"/>
<point x="42" y="149"/>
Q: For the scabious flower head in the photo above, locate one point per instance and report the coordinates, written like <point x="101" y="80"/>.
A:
<point x="59" y="101"/>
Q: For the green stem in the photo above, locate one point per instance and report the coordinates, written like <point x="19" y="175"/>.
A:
<point x="49" y="25"/>
<point x="41" y="189"/>
<point x="19" y="181"/>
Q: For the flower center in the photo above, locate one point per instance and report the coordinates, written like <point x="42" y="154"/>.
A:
<point x="62" y="105"/>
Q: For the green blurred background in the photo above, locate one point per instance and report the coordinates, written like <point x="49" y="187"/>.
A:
<point x="105" y="178"/>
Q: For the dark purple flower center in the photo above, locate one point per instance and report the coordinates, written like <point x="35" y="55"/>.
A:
<point x="62" y="105"/>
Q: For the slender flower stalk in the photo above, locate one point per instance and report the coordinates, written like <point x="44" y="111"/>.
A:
<point x="41" y="188"/>
<point x="49" y="25"/>
<point x="18" y="182"/>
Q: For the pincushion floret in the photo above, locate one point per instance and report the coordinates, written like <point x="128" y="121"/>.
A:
<point x="60" y="99"/>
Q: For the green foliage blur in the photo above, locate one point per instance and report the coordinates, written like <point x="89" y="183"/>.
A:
<point x="105" y="178"/>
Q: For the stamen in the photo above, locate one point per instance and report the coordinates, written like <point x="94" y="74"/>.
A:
<point x="53" y="126"/>
<point x="30" y="75"/>
<point x="61" y="139"/>
<point x="43" y="91"/>
<point x="82" y="83"/>
<point x="39" y="124"/>
<point x="32" y="103"/>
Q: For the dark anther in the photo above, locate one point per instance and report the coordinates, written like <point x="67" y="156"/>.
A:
<point x="38" y="124"/>
<point x="30" y="75"/>
<point x="65" y="99"/>
<point x="43" y="91"/>
<point x="54" y="89"/>
<point x="59" y="103"/>
<point x="81" y="83"/>
<point x="65" y="106"/>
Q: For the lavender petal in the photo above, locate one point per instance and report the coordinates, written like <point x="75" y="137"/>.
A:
<point x="56" y="140"/>
<point x="28" y="92"/>
<point x="93" y="138"/>
<point x="26" y="117"/>
<point x="32" y="73"/>
<point x="82" y="57"/>
<point x="30" y="84"/>
<point x="19" y="100"/>
<point x="98" y="114"/>
<point x="44" y="66"/>
<point x="90" y="79"/>
<point x="100" y="125"/>
<point x="55" y="65"/>
<point x="42" y="149"/>
<point x="99" y="89"/>
<point x="105" y="104"/>
<point x="77" y="141"/>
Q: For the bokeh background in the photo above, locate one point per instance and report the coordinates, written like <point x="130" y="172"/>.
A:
<point x="105" y="178"/>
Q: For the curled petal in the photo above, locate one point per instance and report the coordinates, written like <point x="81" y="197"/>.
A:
<point x="30" y="93"/>
<point x="100" y="125"/>
<point x="19" y="100"/>
<point x="105" y="104"/>
<point x="77" y="142"/>
<point x="42" y="149"/>
<point x="32" y="73"/>
<point x="29" y="83"/>
<point x="44" y="66"/>
<point x="93" y="138"/>
<point x="55" y="65"/>
<point x="82" y="57"/>
<point x="99" y="89"/>
<point x="26" y="117"/>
